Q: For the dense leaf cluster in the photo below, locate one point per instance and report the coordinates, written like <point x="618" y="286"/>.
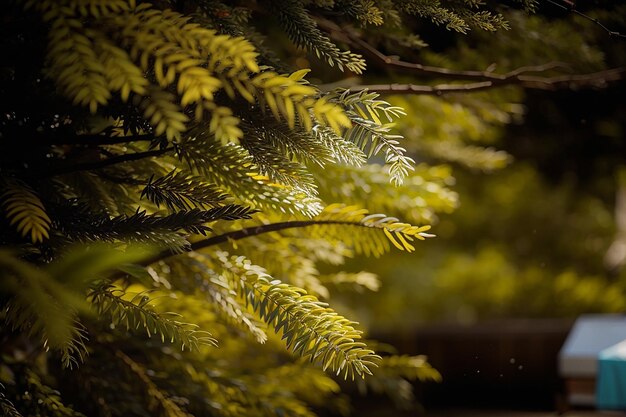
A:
<point x="165" y="175"/>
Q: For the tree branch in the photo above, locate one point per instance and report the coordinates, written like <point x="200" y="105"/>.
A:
<point x="89" y="166"/>
<point x="242" y="234"/>
<point x="482" y="79"/>
<point x="597" y="79"/>
<point x="96" y="139"/>
<point x="90" y="139"/>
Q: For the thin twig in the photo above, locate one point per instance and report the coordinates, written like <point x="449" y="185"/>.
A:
<point x="108" y="140"/>
<point x="103" y="163"/>
<point x="572" y="9"/>
<point x="242" y="234"/>
<point x="89" y="139"/>
<point x="596" y="79"/>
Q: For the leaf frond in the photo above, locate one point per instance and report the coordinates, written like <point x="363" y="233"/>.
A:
<point x="366" y="104"/>
<point x="309" y="327"/>
<point x="25" y="211"/>
<point x="336" y="216"/>
<point x="277" y="167"/>
<point x="303" y="31"/>
<point x="295" y="144"/>
<point x="137" y="312"/>
<point x="343" y="151"/>
<point x="220" y="291"/>
<point x="149" y="228"/>
<point x="374" y="139"/>
<point x="177" y="190"/>
<point x="232" y="168"/>
<point x="41" y="308"/>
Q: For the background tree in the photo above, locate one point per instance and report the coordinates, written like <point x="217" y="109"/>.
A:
<point x="162" y="160"/>
<point x="534" y="239"/>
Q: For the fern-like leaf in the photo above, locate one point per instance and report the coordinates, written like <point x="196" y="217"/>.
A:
<point x="75" y="63"/>
<point x="364" y="10"/>
<point x="232" y="168"/>
<point x="137" y="313"/>
<point x="370" y="133"/>
<point x="366" y="104"/>
<point x="165" y="115"/>
<point x="303" y="31"/>
<point x="342" y="150"/>
<point x="295" y="144"/>
<point x="221" y="293"/>
<point x="177" y="190"/>
<point x="25" y="211"/>
<point x="310" y="328"/>
<point x="397" y="233"/>
<point x="282" y="258"/>
<point x="374" y="138"/>
<point x="149" y="228"/>
<point x="277" y="167"/>
<point x="40" y="307"/>
<point x="433" y="10"/>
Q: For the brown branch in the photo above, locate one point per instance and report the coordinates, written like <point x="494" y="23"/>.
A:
<point x="242" y="234"/>
<point x="447" y="73"/>
<point x="594" y="80"/>
<point x="351" y="37"/>
<point x="482" y="79"/>
<point x="415" y="89"/>
<point x="103" y="163"/>
<point x="88" y="139"/>
<point x="92" y="140"/>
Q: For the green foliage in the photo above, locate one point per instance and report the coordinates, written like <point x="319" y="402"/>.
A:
<point x="398" y="234"/>
<point x="191" y="61"/>
<point x="44" y="302"/>
<point x="184" y="192"/>
<point x="25" y="211"/>
<point x="176" y="132"/>
<point x="34" y="397"/>
<point x="134" y="312"/>
<point x="35" y="308"/>
<point x="149" y="228"/>
<point x="457" y="16"/>
<point x="373" y="136"/>
<point x="522" y="258"/>
<point x="177" y="125"/>
<point x="303" y="30"/>
<point x="309" y="328"/>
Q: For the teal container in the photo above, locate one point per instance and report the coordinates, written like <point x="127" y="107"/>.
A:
<point x="611" y="380"/>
